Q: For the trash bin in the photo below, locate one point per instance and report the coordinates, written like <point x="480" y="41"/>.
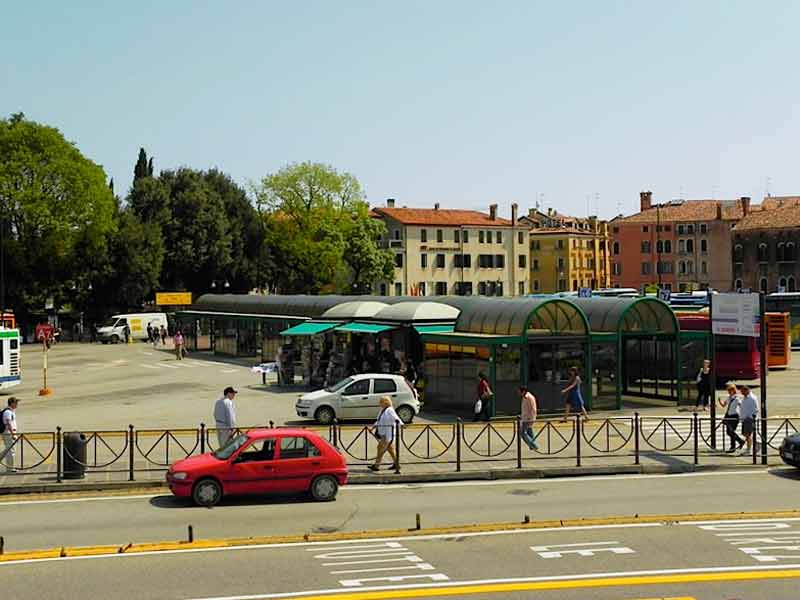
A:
<point x="74" y="455"/>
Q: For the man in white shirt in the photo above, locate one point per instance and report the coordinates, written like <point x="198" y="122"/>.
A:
<point x="9" y="421"/>
<point x="748" y="412"/>
<point x="225" y="416"/>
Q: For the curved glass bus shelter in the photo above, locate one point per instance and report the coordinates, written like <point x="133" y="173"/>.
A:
<point x="531" y="341"/>
<point x="635" y="349"/>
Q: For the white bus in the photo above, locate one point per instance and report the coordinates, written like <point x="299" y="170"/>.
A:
<point x="9" y="358"/>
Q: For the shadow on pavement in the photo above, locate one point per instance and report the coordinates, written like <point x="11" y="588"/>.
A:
<point x="176" y="502"/>
<point x="791" y="473"/>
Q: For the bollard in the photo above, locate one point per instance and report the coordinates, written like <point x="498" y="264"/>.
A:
<point x="272" y="425"/>
<point x="519" y="443"/>
<point x="578" y="439"/>
<point x="636" y="437"/>
<point x="2" y="545"/>
<point x="191" y="534"/>
<point x="336" y="434"/>
<point x="459" y="431"/>
<point x="59" y="456"/>
<point x="526" y="519"/>
<point x="130" y="452"/>
<point x="419" y="522"/>
<point x="202" y="438"/>
<point x="695" y="423"/>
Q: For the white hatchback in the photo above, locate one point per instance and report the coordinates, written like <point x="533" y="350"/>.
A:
<point x="358" y="397"/>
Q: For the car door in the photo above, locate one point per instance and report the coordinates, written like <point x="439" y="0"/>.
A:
<point x="297" y="462"/>
<point x="382" y="386"/>
<point x="252" y="471"/>
<point x="354" y="400"/>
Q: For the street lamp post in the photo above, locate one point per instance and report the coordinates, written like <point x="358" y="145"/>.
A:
<point x="224" y="283"/>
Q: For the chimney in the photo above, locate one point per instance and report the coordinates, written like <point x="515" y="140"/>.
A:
<point x="514" y="209"/>
<point x="645" y="200"/>
<point x="493" y="211"/>
<point x="436" y="206"/>
<point x="745" y="202"/>
<point x="390" y="203"/>
<point x="719" y="211"/>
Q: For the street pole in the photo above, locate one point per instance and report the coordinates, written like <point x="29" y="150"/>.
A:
<point x="2" y="269"/>
<point x="762" y="330"/>
<point x="713" y="373"/>
<point x="45" y="391"/>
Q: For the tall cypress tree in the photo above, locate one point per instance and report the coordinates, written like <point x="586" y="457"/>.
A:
<point x="150" y="167"/>
<point x="140" y="170"/>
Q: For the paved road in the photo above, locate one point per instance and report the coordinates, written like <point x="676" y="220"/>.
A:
<point x="757" y="559"/>
<point x="80" y="521"/>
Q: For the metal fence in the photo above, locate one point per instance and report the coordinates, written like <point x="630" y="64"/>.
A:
<point x="456" y="446"/>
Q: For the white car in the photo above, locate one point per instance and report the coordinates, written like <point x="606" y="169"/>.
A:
<point x="358" y="397"/>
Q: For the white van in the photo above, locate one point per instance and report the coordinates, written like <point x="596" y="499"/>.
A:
<point x="113" y="330"/>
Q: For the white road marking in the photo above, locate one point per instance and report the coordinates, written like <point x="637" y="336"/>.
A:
<point x="229" y="370"/>
<point x="448" y="584"/>
<point x="166" y="366"/>
<point x="149" y="366"/>
<point x="581" y="549"/>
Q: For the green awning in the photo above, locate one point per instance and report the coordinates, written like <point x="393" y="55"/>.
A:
<point x="365" y="328"/>
<point x="434" y="328"/>
<point x="309" y="328"/>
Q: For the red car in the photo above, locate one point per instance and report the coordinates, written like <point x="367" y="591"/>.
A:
<point x="262" y="461"/>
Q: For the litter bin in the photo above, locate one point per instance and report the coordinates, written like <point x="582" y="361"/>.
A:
<point x="74" y="455"/>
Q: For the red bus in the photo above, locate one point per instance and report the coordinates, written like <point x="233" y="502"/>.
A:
<point x="736" y="357"/>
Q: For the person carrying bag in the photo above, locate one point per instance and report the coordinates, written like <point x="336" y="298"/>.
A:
<point x="483" y="404"/>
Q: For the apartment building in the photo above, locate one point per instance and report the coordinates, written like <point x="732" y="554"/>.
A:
<point x="440" y="252"/>
<point x="765" y="248"/>
<point x="681" y="245"/>
<point x="567" y="253"/>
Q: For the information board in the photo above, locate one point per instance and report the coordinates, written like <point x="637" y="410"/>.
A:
<point x="736" y="314"/>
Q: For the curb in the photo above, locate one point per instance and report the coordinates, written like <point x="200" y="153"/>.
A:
<point x="389" y="477"/>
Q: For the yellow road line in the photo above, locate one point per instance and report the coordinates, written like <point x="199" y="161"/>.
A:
<point x="386" y="533"/>
<point x="501" y="588"/>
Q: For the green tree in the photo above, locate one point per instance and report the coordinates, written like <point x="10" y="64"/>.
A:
<point x="317" y="222"/>
<point x="52" y="199"/>
<point x="141" y="169"/>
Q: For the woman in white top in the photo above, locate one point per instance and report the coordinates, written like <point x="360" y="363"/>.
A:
<point x="383" y="430"/>
<point x="731" y="419"/>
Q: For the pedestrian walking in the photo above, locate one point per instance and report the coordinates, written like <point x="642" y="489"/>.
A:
<point x="177" y="340"/>
<point x="748" y="412"/>
<point x="150" y="332"/>
<point x="528" y="412"/>
<point x="225" y="416"/>
<point x="126" y="331"/>
<point x="731" y="419"/>
<point x="574" y="395"/>
<point x="8" y="426"/>
<point x="703" y="381"/>
<point x="163" y="336"/>
<point x="482" y="408"/>
<point x="383" y="430"/>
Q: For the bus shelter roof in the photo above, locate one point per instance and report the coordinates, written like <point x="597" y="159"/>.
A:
<point x="521" y="317"/>
<point x="644" y="315"/>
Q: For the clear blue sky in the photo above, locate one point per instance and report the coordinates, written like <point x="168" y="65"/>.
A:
<point x="462" y="103"/>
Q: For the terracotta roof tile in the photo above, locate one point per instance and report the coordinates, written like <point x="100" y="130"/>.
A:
<point x="441" y="216"/>
<point x="687" y="210"/>
<point x="776" y="218"/>
<point x="771" y="202"/>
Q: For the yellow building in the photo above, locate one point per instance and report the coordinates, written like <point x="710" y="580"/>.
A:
<point x="567" y="253"/>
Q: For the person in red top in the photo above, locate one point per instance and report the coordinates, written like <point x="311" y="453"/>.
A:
<point x="484" y="397"/>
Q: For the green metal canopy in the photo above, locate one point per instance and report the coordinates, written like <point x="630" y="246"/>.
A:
<point x="434" y="328"/>
<point x="356" y="327"/>
<point x="309" y="328"/>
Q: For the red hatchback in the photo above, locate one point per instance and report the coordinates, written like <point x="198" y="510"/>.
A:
<point x="262" y="461"/>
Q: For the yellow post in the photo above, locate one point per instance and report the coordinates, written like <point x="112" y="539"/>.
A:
<point x="45" y="391"/>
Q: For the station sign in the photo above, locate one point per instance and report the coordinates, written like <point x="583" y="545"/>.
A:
<point x="173" y="298"/>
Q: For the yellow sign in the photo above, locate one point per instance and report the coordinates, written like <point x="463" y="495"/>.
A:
<point x="173" y="298"/>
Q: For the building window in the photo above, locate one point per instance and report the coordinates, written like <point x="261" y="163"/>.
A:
<point x="762" y="285"/>
<point x="791" y="285"/>
<point x="689" y="267"/>
<point x="664" y="266"/>
<point x="464" y="288"/>
<point x="521" y="288"/>
<point x="485" y="261"/>
<point x="763" y="253"/>
<point x="562" y="285"/>
<point x="682" y="268"/>
<point x="779" y="252"/>
<point x="789" y="254"/>
<point x="615" y="248"/>
<point x="536" y="245"/>
<point x="457" y="236"/>
<point x="482" y="288"/>
<point x="465" y="239"/>
<point x="615" y="229"/>
<point x="520" y="237"/>
<point x="398" y="260"/>
<point x="560" y="244"/>
<point x="703" y="228"/>
<point x="441" y="288"/>
<point x="439" y="236"/>
<point x="737" y="285"/>
<point x="667" y="227"/>
<point x="423" y="261"/>
<point x="682" y="246"/>
<point x="704" y="246"/>
<point x="574" y="243"/>
<point x="498" y="290"/>
<point x="535" y="266"/>
<point x="397" y="234"/>
<point x="667" y="247"/>
<point x="574" y="285"/>
<point x="560" y="264"/>
<point x="422" y="288"/>
<point x="738" y="253"/>
<point x="645" y="228"/>
<point x="616" y="268"/>
<point x="690" y="229"/>
<point x="689" y="246"/>
<point x="704" y="268"/>
<point x="398" y="289"/>
<point x="440" y="261"/>
<point x="423" y="235"/>
<point x="782" y="284"/>
<point x="488" y="237"/>
<point x="481" y="238"/>
<point x="646" y="268"/>
<point x="499" y="261"/>
<point x="659" y="247"/>
<point x="383" y="289"/>
<point x="535" y="285"/>
<point x="499" y="237"/>
<point x="645" y="247"/>
<point x="522" y="261"/>
<point x="681" y="229"/>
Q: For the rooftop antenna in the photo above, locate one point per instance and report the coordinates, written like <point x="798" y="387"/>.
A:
<point x="597" y="204"/>
<point x="619" y="206"/>
<point x="768" y="185"/>
<point x="588" y="209"/>
<point x="680" y="195"/>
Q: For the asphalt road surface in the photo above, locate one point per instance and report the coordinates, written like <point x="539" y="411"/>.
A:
<point x="747" y="560"/>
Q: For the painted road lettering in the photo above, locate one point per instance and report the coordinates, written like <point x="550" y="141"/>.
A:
<point x="582" y="549"/>
<point x="376" y="559"/>
<point x="768" y="542"/>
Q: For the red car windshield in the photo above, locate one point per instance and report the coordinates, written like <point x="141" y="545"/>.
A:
<point x="232" y="446"/>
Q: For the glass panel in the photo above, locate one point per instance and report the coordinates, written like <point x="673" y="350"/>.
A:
<point x="604" y="376"/>
<point x="508" y="377"/>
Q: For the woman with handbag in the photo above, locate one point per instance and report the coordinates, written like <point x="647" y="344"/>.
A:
<point x="383" y="430"/>
<point x="482" y="408"/>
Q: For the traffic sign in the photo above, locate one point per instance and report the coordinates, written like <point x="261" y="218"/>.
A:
<point x="664" y="294"/>
<point x="585" y="292"/>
